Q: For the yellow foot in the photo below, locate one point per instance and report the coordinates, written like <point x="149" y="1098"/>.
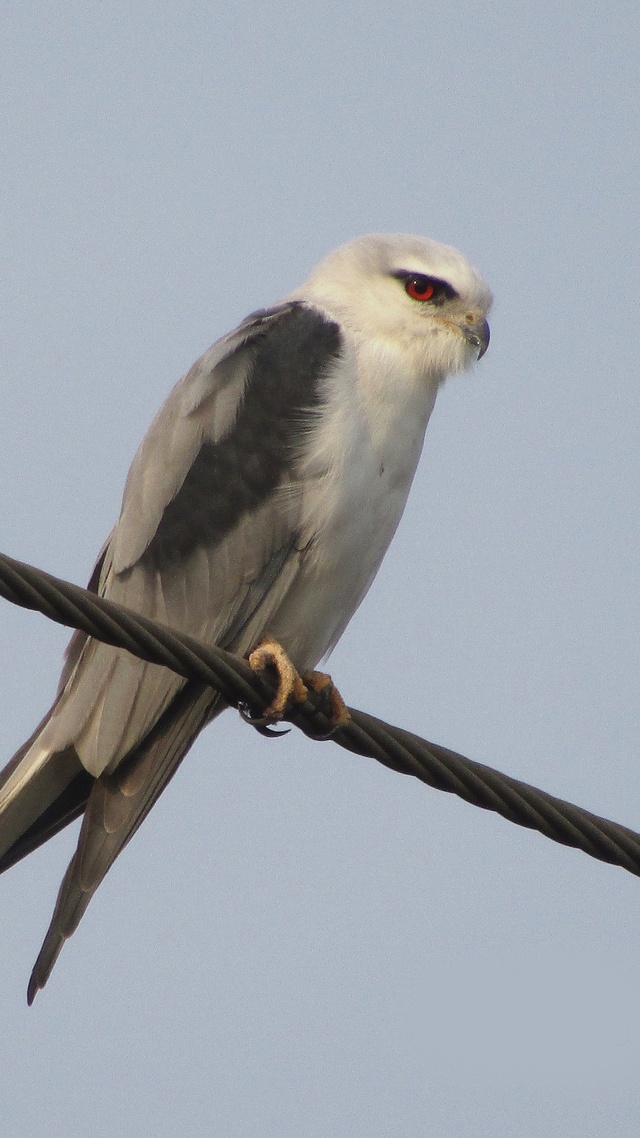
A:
<point x="291" y="689"/>
<point x="322" y="684"/>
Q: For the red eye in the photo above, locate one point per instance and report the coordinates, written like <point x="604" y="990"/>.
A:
<point x="420" y="288"/>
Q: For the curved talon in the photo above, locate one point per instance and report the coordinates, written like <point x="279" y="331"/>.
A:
<point x="260" y="722"/>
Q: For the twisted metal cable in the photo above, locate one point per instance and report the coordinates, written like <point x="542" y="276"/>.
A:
<point x="365" y="735"/>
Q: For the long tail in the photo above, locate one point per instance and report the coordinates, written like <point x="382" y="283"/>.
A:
<point x="54" y="789"/>
<point x="41" y="791"/>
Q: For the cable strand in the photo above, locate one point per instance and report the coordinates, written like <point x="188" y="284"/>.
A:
<point x="365" y="735"/>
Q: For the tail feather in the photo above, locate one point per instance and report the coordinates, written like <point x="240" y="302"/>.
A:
<point x="30" y="785"/>
<point x="117" y="805"/>
<point x="69" y="805"/>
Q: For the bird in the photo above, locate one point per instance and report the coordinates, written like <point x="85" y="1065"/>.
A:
<point x="255" y="515"/>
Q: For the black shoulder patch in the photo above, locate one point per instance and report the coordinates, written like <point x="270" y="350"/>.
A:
<point x="230" y="478"/>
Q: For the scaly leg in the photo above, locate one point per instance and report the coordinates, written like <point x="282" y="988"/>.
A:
<point x="291" y="689"/>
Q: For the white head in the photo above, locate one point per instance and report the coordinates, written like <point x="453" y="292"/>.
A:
<point x="416" y="295"/>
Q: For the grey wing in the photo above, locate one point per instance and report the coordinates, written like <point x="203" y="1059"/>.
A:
<point x="193" y="549"/>
<point x="207" y="542"/>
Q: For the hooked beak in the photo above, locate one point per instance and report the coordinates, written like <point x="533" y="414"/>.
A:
<point x="477" y="335"/>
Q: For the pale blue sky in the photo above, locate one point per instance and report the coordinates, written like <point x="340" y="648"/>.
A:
<point x="299" y="943"/>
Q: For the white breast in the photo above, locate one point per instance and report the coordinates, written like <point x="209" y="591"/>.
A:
<point x="357" y="470"/>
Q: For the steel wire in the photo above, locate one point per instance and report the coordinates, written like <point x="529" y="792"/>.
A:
<point x="365" y="735"/>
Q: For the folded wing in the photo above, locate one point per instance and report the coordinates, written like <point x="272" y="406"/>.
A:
<point x="208" y="542"/>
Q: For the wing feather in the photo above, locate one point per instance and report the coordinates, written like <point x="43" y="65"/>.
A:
<point x="202" y="406"/>
<point x="207" y="538"/>
<point x="208" y="541"/>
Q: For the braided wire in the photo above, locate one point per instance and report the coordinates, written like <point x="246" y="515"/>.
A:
<point x="365" y="735"/>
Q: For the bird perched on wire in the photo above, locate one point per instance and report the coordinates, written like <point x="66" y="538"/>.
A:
<point x="255" y="516"/>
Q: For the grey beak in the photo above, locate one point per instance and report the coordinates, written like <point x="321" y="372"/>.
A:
<point x="478" y="335"/>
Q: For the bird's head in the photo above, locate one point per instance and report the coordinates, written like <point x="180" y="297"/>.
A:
<point x="419" y="297"/>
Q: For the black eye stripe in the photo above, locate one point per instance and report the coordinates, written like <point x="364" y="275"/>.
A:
<point x="422" y="284"/>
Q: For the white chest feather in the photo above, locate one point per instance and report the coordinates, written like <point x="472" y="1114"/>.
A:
<point x="357" y="474"/>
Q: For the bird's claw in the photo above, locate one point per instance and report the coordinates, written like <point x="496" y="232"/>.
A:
<point x="291" y="688"/>
<point x="337" y="710"/>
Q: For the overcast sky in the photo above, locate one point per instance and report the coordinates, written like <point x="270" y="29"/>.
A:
<point x="299" y="943"/>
